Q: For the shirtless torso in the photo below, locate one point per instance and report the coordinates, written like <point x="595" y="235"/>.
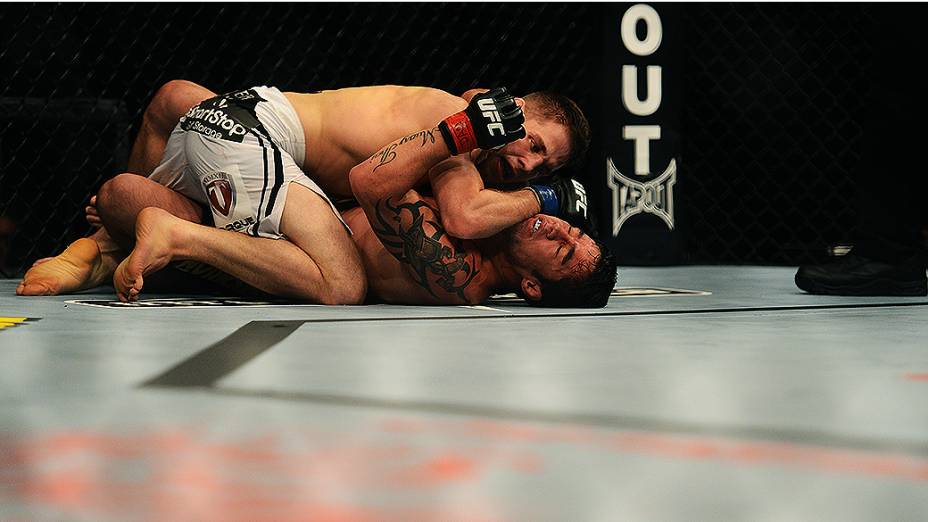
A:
<point x="391" y="281"/>
<point x="332" y="119"/>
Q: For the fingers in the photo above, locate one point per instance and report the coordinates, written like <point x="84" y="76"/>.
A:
<point x="91" y="214"/>
<point x="496" y="92"/>
<point x="510" y="111"/>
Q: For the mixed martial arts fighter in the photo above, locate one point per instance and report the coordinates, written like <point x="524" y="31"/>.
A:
<point x="85" y="266"/>
<point x="407" y="254"/>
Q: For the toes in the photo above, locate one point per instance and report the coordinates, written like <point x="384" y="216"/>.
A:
<point x="25" y="288"/>
<point x="136" y="289"/>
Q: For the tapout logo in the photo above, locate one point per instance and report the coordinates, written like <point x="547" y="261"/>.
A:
<point x="630" y="197"/>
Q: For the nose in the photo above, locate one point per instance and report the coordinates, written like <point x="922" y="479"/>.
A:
<point x="560" y="233"/>
<point x="530" y="162"/>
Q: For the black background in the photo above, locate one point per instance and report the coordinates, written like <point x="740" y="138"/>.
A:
<point x="771" y="97"/>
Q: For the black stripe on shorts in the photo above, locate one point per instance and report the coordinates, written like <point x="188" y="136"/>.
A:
<point x="278" y="179"/>
<point x="254" y="228"/>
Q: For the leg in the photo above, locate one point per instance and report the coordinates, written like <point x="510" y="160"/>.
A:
<point x="890" y="223"/>
<point x="123" y="197"/>
<point x="318" y="262"/>
<point x="171" y="101"/>
<point x="888" y="257"/>
<point x="89" y="262"/>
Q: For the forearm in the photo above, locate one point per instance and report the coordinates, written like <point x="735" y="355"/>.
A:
<point x="397" y="167"/>
<point x="486" y="213"/>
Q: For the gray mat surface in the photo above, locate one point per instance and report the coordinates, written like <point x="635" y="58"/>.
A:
<point x="754" y="402"/>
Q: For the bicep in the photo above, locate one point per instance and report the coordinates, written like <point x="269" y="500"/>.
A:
<point x="455" y="180"/>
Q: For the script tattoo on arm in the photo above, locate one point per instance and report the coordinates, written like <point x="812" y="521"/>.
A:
<point x="388" y="153"/>
<point x="412" y="232"/>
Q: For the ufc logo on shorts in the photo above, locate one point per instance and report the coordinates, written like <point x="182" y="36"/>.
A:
<point x="581" y="196"/>
<point x="489" y="112"/>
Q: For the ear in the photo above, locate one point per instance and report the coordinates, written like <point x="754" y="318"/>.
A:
<point x="531" y="288"/>
<point x="520" y="102"/>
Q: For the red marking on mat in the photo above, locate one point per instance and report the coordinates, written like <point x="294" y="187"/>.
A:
<point x="916" y="376"/>
<point x="333" y="477"/>
<point x="687" y="447"/>
<point x="820" y="459"/>
<point x="388" y="471"/>
<point x="442" y="468"/>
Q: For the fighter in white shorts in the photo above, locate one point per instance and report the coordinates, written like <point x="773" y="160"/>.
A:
<point x="238" y="154"/>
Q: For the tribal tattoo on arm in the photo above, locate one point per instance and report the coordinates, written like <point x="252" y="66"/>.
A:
<point x="413" y="233"/>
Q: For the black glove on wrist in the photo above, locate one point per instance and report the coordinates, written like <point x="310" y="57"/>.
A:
<point x="491" y="120"/>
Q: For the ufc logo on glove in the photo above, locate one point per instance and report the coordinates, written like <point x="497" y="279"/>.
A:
<point x="581" y="197"/>
<point x="462" y="131"/>
<point x="489" y="112"/>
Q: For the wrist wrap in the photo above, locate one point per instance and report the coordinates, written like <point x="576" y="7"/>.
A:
<point x="458" y="133"/>
<point x="547" y="197"/>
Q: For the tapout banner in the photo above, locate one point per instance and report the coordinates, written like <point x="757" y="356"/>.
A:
<point x="641" y="164"/>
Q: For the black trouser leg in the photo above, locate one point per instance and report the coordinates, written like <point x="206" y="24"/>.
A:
<point x="892" y="180"/>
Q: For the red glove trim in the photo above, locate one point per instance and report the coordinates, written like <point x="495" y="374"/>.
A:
<point x="461" y="132"/>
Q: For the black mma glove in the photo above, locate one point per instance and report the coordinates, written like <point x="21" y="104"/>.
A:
<point x="491" y="120"/>
<point x="565" y="198"/>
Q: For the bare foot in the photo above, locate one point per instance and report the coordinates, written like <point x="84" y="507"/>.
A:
<point x="42" y="260"/>
<point x="154" y="236"/>
<point x="79" y="267"/>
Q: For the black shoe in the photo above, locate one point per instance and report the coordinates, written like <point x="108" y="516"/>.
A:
<point x="857" y="275"/>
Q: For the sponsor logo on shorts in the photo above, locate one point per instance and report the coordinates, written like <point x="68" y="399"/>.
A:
<point x="240" y="224"/>
<point x="221" y="192"/>
<point x="215" y="122"/>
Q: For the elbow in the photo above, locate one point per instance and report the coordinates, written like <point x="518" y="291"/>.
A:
<point x="359" y="179"/>
<point x="365" y="186"/>
<point x="461" y="226"/>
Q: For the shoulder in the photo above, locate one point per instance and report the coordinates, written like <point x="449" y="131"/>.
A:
<point x="426" y="105"/>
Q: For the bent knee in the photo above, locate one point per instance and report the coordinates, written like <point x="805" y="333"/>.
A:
<point x="347" y="292"/>
<point x="116" y="190"/>
<point x="172" y="100"/>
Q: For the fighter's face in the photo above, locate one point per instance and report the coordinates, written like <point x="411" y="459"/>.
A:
<point x="544" y="149"/>
<point x="551" y="248"/>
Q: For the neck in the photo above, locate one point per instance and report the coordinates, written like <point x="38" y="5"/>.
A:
<point x="501" y="274"/>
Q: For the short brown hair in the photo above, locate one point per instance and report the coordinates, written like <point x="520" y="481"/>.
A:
<point x="560" y="108"/>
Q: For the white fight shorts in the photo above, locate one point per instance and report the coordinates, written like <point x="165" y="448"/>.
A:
<point x="238" y="153"/>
